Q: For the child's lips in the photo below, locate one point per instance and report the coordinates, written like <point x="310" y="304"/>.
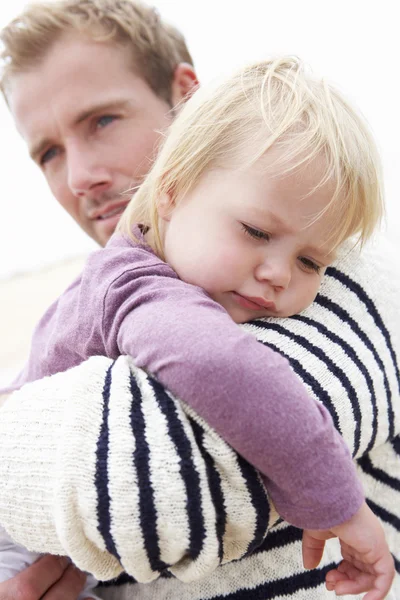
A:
<point x="253" y="303"/>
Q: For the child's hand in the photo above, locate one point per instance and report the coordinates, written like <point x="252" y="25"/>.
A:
<point x="367" y="564"/>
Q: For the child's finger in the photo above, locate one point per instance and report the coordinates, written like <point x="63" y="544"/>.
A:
<point x="363" y="583"/>
<point x="334" y="576"/>
<point x="347" y="579"/>
<point x="353" y="566"/>
<point x="312" y="550"/>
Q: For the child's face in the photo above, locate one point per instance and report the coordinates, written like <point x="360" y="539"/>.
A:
<point x="248" y="240"/>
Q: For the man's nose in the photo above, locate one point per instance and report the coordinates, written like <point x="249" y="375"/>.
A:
<point x="86" y="174"/>
<point x="276" y="271"/>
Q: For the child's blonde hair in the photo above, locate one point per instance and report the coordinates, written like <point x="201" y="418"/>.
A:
<point x="275" y="103"/>
<point x="155" y="47"/>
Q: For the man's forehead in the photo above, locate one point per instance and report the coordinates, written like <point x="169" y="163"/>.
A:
<point x="37" y="112"/>
<point x="77" y="79"/>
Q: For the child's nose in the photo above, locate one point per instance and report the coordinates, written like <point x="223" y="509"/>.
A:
<point x="276" y="272"/>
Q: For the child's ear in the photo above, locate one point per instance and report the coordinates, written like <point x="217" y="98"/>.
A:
<point x="165" y="206"/>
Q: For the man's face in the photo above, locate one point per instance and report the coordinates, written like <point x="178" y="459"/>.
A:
<point x="92" y="125"/>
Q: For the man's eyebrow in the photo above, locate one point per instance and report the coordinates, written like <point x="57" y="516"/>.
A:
<point x="110" y="105"/>
<point x="37" y="150"/>
<point x="102" y="107"/>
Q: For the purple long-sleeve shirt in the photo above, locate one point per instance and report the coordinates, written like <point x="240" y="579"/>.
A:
<point x="127" y="301"/>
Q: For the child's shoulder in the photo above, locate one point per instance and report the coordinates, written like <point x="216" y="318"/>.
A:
<point x="122" y="255"/>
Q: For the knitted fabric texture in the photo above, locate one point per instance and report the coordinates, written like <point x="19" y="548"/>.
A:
<point x="102" y="464"/>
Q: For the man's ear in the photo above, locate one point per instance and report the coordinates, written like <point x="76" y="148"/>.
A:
<point x="165" y="206"/>
<point x="184" y="83"/>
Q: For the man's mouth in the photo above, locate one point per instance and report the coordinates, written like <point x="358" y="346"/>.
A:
<point x="111" y="213"/>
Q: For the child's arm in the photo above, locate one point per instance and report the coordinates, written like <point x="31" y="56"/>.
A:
<point x="130" y="302"/>
<point x="244" y="390"/>
<point x="367" y="564"/>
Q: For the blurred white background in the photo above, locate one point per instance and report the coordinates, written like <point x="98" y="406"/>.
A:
<point x="354" y="43"/>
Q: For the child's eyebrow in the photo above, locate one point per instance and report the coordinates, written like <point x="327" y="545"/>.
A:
<point x="279" y="222"/>
<point x="326" y="257"/>
<point x="266" y="215"/>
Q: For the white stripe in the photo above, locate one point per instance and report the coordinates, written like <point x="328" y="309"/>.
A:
<point x="125" y="523"/>
<point x="166" y="480"/>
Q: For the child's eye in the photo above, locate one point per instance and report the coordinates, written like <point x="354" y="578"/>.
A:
<point x="105" y="120"/>
<point x="256" y="234"/>
<point x="309" y="264"/>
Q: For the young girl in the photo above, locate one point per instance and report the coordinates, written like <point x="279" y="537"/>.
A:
<point x="259" y="182"/>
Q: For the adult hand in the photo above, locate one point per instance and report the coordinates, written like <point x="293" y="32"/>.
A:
<point x="49" y="578"/>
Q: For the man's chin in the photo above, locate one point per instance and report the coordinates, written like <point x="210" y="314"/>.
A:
<point x="104" y="228"/>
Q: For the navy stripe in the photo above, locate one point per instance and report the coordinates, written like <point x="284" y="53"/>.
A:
<point x="280" y="587"/>
<point x="278" y="538"/>
<point x="340" y="312"/>
<point x="384" y="514"/>
<point x="123" y="579"/>
<point x="214" y="481"/>
<point x="101" y="475"/>
<point x="141" y="461"/>
<point x="378" y="474"/>
<point x="333" y="368"/>
<point x="286" y="586"/>
<point x="396" y="444"/>
<point x="259" y="500"/>
<point x="396" y="564"/>
<point x="190" y="476"/>
<point x="373" y="311"/>
<point x="333" y="337"/>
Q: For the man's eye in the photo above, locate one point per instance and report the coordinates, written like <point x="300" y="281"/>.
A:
<point x="309" y="264"/>
<point x="256" y="234"/>
<point x="48" y="155"/>
<point x="105" y="120"/>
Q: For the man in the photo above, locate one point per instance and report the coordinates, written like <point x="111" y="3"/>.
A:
<point x="94" y="97"/>
<point x="90" y="113"/>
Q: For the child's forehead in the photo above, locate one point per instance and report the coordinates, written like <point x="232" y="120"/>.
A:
<point x="295" y="179"/>
<point x="286" y="160"/>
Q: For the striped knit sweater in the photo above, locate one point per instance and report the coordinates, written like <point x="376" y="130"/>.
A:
<point x="102" y="464"/>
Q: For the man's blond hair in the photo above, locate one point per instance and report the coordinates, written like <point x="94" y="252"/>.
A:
<point x="156" y="47"/>
<point x="274" y="104"/>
